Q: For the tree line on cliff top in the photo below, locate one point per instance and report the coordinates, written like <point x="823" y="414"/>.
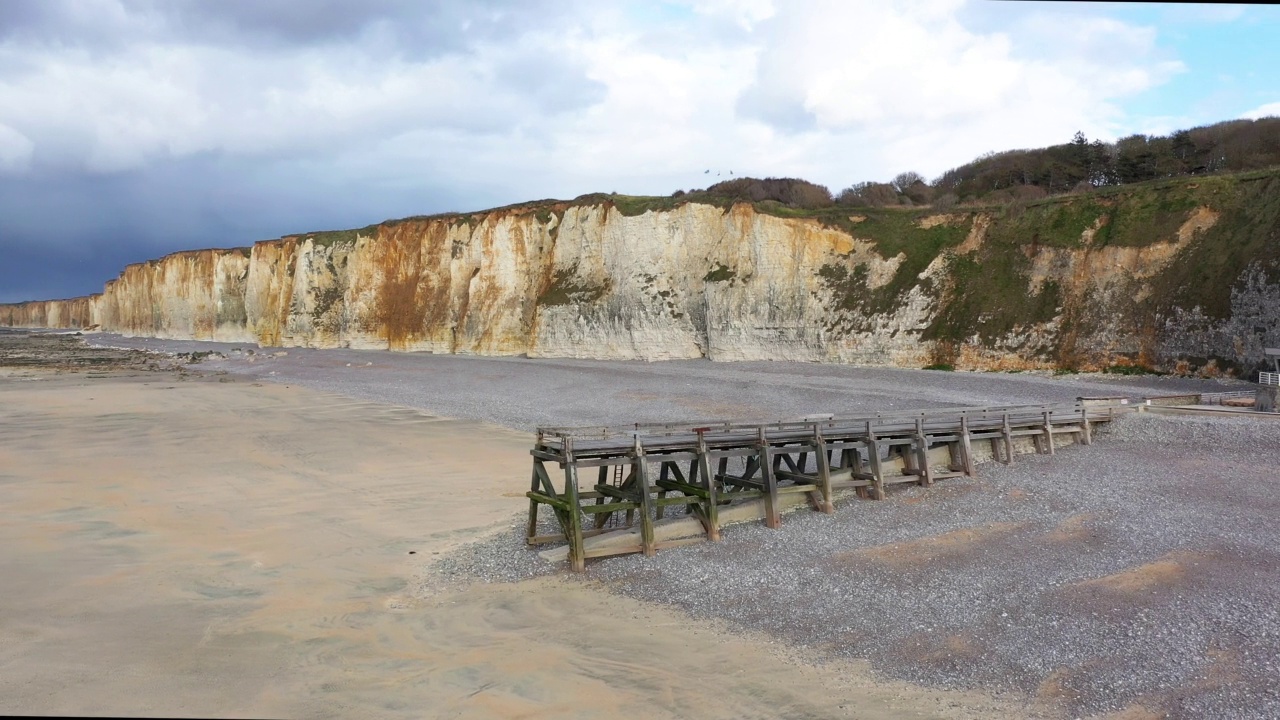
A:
<point x="1021" y="175"/>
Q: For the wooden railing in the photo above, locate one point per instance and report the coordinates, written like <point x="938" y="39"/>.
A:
<point x="700" y="466"/>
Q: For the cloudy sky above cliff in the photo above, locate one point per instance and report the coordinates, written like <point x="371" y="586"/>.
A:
<point x="133" y="128"/>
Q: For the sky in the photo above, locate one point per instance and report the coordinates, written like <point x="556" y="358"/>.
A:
<point x="134" y="128"/>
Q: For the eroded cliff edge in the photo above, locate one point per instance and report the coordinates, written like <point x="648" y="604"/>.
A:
<point x="1181" y="274"/>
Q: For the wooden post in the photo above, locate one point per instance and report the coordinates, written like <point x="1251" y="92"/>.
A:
<point x="1048" y="431"/>
<point x="534" y="486"/>
<point x="853" y="461"/>
<point x="824" y="469"/>
<point x="577" y="559"/>
<point x="599" y="520"/>
<point x="1007" y="436"/>
<point x="877" y="467"/>
<point x="922" y="454"/>
<point x="771" y="519"/>
<point x="663" y="474"/>
<point x="641" y="473"/>
<point x="713" y="498"/>
<point x="628" y="485"/>
<point x="966" y="448"/>
<point x="1086" y="433"/>
<point x="955" y="462"/>
<point x="910" y="460"/>
<point x="531" y="530"/>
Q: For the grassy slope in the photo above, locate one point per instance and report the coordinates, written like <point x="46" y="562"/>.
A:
<point x="989" y="295"/>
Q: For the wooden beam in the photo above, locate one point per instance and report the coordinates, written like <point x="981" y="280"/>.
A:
<point x="663" y="473"/>
<point x="531" y="528"/>
<point x="641" y="474"/>
<point x="560" y="537"/>
<point x="601" y="519"/>
<point x="613" y="492"/>
<point x="1007" y="436"/>
<point x="741" y="482"/>
<point x="966" y="448"/>
<point x="796" y="477"/>
<point x="852" y="459"/>
<point x="554" y="502"/>
<point x="677" y="500"/>
<point x="686" y="488"/>
<point x="824" y="469"/>
<point x="577" y="560"/>
<point x="921" y="448"/>
<point x="711" y="508"/>
<point x="607" y="508"/>
<point x="877" y="467"/>
<point x="771" y="516"/>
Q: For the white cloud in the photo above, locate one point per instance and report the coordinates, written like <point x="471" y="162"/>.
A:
<point x="835" y="91"/>
<point x="1268" y="110"/>
<point x="891" y="87"/>
<point x="744" y="13"/>
<point x="15" y="150"/>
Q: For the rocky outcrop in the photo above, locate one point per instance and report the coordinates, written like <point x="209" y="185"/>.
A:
<point x="1081" y="281"/>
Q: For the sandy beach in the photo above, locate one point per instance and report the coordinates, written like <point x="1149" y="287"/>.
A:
<point x="196" y="545"/>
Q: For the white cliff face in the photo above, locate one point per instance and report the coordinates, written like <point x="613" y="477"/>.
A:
<point x="189" y="295"/>
<point x="588" y="281"/>
<point x="700" y="281"/>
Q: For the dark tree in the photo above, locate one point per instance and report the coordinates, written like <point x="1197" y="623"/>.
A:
<point x="788" y="191"/>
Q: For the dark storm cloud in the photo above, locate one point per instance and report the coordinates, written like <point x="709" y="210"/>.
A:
<point x="426" y="26"/>
<point x="416" y="28"/>
<point x="310" y="21"/>
<point x="62" y="236"/>
<point x="27" y="15"/>
<point x="233" y="121"/>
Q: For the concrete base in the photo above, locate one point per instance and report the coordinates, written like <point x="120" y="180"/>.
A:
<point x="1268" y="399"/>
<point x="1214" y="411"/>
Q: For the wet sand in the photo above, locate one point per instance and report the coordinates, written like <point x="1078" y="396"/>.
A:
<point x="203" y="546"/>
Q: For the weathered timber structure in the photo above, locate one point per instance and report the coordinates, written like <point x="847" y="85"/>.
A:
<point x="641" y="470"/>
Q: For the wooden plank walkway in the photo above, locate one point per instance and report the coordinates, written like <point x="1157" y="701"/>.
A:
<point x="642" y="469"/>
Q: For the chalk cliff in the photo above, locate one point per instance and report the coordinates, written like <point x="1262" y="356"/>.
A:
<point x="1179" y="274"/>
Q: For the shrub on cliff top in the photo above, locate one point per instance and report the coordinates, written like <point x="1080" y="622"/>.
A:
<point x="792" y="192"/>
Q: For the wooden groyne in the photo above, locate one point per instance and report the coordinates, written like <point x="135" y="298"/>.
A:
<point x="643" y="469"/>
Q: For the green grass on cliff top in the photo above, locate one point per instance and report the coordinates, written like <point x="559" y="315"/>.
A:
<point x="1150" y="210"/>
